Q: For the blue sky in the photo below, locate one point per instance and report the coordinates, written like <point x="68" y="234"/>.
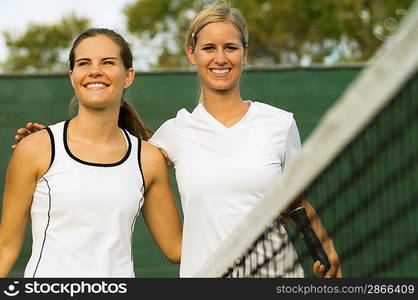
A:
<point x="15" y="15"/>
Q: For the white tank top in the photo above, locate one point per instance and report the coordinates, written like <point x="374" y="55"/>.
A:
<point x="83" y="214"/>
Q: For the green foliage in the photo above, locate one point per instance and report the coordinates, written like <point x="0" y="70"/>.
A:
<point x="282" y="31"/>
<point x="165" y="20"/>
<point x="41" y="46"/>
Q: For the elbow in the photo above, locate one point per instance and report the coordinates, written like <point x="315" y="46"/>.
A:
<point x="7" y="260"/>
<point x="174" y="256"/>
<point x="175" y="260"/>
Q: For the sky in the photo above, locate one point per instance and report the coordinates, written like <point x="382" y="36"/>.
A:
<point x="16" y="15"/>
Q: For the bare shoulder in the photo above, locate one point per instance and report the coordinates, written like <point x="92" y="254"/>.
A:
<point x="35" y="150"/>
<point x="35" y="143"/>
<point x="153" y="161"/>
<point x="151" y="154"/>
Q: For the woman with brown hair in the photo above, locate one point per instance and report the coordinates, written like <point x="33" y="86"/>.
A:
<point x="84" y="181"/>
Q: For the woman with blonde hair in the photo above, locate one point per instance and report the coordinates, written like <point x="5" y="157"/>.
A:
<point x="229" y="151"/>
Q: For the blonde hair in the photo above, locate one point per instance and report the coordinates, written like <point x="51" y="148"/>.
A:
<point x="219" y="12"/>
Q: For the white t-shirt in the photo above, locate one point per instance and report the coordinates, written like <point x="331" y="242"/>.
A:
<point x="222" y="173"/>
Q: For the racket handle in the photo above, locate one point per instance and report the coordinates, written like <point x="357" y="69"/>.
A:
<point x="312" y="242"/>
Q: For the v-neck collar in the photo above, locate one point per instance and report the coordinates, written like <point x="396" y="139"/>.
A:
<point x="217" y="124"/>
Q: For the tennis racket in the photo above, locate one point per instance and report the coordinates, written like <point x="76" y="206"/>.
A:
<point x="312" y="242"/>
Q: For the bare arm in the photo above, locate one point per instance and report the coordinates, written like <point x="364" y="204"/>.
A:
<point x="159" y="210"/>
<point x="28" y="161"/>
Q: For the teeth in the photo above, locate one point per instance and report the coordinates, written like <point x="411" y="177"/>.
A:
<point x="220" y="71"/>
<point x="95" y="85"/>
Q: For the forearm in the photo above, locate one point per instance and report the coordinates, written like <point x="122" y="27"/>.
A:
<point x="313" y="218"/>
<point x="316" y="224"/>
<point x="166" y="234"/>
<point x="326" y="241"/>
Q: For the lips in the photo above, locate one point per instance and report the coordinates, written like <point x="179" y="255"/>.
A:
<point x="96" y="85"/>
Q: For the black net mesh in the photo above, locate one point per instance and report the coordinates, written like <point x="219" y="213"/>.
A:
<point x="367" y="199"/>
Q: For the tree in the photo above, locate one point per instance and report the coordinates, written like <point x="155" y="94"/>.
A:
<point x="40" y="47"/>
<point x="285" y="31"/>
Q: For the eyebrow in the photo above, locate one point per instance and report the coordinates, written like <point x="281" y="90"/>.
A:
<point x="85" y="58"/>
<point x="227" y="43"/>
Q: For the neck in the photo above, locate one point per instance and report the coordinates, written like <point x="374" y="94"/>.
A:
<point x="97" y="126"/>
<point x="222" y="102"/>
<point x="227" y="107"/>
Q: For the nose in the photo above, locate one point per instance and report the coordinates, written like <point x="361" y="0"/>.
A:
<point x="220" y="57"/>
<point x="95" y="70"/>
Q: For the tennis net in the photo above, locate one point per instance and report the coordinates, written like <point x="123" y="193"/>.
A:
<point x="358" y="169"/>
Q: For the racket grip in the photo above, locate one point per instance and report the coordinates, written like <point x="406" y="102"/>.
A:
<point x="311" y="240"/>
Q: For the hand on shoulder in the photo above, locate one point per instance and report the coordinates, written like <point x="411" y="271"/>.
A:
<point x="29" y="129"/>
<point x="34" y="151"/>
<point x="35" y="141"/>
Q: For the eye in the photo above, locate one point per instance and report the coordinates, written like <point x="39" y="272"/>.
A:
<point x="82" y="63"/>
<point x="208" y="48"/>
<point x="108" y="62"/>
<point x="231" y="48"/>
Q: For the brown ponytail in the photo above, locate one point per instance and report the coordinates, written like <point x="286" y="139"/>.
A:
<point x="131" y="121"/>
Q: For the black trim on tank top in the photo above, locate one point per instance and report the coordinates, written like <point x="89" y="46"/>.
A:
<point x="46" y="228"/>
<point x="51" y="136"/>
<point x="139" y="162"/>
<point x="133" y="225"/>
<point x="142" y="191"/>
<point x="67" y="149"/>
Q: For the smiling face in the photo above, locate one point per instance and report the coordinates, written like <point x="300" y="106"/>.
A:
<point x="99" y="76"/>
<point x="219" y="56"/>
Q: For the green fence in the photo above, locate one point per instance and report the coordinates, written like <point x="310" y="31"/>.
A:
<point x="307" y="92"/>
